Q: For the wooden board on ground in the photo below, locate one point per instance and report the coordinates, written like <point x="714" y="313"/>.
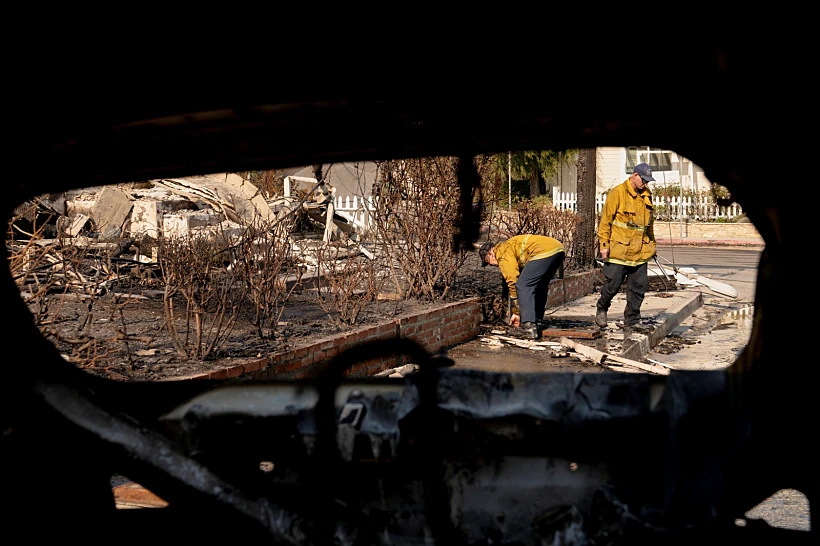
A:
<point x="495" y="339"/>
<point x="572" y="333"/>
<point x="605" y="358"/>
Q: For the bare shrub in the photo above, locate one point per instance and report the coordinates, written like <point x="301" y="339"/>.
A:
<point x="564" y="225"/>
<point x="348" y="281"/>
<point x="91" y="352"/>
<point x="525" y="217"/>
<point x="58" y="277"/>
<point x="492" y="181"/>
<point x="416" y="219"/>
<point x="43" y="271"/>
<point x="46" y="271"/>
<point x="194" y="267"/>
<point x="270" y="182"/>
<point x="265" y="260"/>
<point x="31" y="263"/>
<point x="84" y="351"/>
<point x="529" y="216"/>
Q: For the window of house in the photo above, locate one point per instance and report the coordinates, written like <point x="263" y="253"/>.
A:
<point x="658" y="159"/>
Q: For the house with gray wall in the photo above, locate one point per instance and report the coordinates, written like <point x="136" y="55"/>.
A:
<point x="349" y="179"/>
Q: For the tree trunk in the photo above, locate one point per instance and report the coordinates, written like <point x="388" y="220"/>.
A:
<point x="585" y="236"/>
<point x="535" y="189"/>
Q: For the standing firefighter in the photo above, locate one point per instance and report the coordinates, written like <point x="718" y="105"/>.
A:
<point x="627" y="240"/>
<point x="528" y="263"/>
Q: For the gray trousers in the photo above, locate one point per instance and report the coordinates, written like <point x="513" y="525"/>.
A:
<point x="637" y="282"/>
<point x="533" y="286"/>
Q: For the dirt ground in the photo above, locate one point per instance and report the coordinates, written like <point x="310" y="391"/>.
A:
<point x="125" y="338"/>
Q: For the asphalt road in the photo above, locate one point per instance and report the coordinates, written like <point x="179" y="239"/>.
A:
<point x="736" y="266"/>
<point x="715" y="334"/>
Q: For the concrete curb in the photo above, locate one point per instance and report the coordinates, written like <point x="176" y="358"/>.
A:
<point x="639" y="345"/>
<point x="750" y="243"/>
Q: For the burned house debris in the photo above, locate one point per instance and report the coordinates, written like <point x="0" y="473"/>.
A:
<point x="126" y="221"/>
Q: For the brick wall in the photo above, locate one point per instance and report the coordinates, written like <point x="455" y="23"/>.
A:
<point x="572" y="287"/>
<point x="434" y="329"/>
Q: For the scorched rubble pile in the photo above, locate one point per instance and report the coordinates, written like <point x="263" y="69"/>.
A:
<point x="87" y="264"/>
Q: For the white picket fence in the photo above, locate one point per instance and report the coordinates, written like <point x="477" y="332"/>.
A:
<point x="665" y="208"/>
<point x="359" y="209"/>
<point x="568" y="201"/>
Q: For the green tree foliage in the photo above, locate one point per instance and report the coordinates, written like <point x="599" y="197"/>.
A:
<point x="533" y="166"/>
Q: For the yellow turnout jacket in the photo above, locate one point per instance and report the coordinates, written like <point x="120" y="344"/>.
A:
<point x="626" y="226"/>
<point x="515" y="252"/>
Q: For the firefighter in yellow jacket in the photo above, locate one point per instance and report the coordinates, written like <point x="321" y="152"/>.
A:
<point x="528" y="263"/>
<point x="627" y="239"/>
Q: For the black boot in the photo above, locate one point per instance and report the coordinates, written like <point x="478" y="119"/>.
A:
<point x="600" y="318"/>
<point x="527" y="330"/>
<point x="630" y="328"/>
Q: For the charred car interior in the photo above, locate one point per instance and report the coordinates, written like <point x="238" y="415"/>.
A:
<point x="442" y="456"/>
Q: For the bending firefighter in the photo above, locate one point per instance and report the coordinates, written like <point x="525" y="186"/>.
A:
<point x="528" y="263"/>
<point x="627" y="240"/>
